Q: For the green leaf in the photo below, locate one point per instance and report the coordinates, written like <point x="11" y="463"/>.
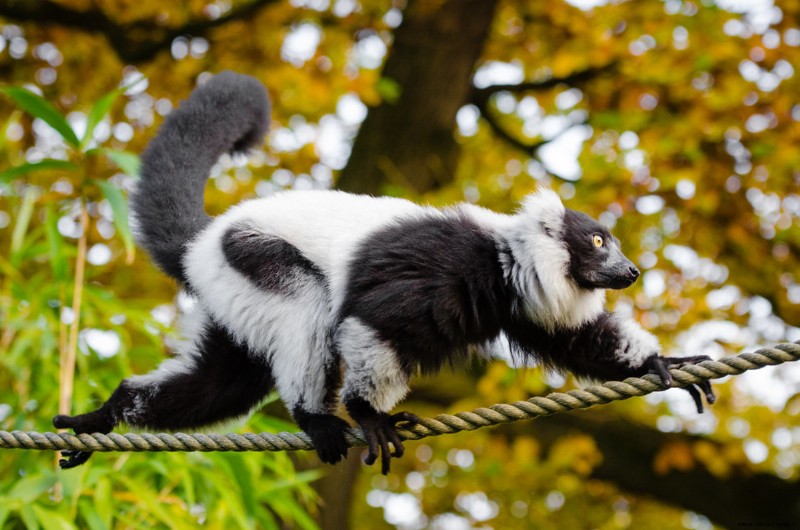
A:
<point x="128" y="162"/>
<point x="5" y="510"/>
<point x="103" y="502"/>
<point x="38" y="107"/>
<point x="29" y="517"/>
<point x="51" y="520"/>
<point x="298" y="514"/>
<point x="29" y="488"/>
<point x="119" y="209"/>
<point x="101" y="108"/>
<point x="96" y="115"/>
<point x="23" y="220"/>
<point x="90" y="515"/>
<point x="48" y="163"/>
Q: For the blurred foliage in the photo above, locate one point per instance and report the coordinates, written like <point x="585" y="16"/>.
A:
<point x="686" y="137"/>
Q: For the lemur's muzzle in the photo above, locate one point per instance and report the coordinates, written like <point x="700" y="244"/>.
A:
<point x="621" y="274"/>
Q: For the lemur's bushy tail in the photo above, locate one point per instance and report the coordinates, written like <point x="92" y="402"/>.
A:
<point x="228" y="113"/>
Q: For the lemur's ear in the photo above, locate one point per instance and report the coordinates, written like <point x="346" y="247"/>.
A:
<point x="544" y="207"/>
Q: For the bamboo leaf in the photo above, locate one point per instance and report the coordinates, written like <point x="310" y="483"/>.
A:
<point x="38" y="107"/>
<point x="90" y="515"/>
<point x="5" y="510"/>
<point x="101" y="108"/>
<point x="51" y="520"/>
<point x="102" y="501"/>
<point x="96" y="115"/>
<point x="128" y="162"/>
<point x="48" y="163"/>
<point x="23" y="220"/>
<point x="29" y="488"/>
<point x="29" y="517"/>
<point x="119" y="209"/>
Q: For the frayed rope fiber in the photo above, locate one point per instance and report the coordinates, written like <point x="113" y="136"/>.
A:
<point x="442" y="424"/>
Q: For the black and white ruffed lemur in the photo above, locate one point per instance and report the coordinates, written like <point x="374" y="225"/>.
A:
<point x="330" y="296"/>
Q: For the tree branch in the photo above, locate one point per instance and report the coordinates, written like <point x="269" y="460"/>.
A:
<point x="133" y="43"/>
<point x="481" y="96"/>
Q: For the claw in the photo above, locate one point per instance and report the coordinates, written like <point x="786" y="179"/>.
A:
<point x="380" y="430"/>
<point x="661" y="365"/>
<point x="662" y="370"/>
<point x="698" y="400"/>
<point x="705" y="386"/>
<point x="406" y="417"/>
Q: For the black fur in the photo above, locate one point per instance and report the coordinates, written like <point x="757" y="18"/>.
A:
<point x="592" y="267"/>
<point x="229" y="113"/>
<point x="226" y="382"/>
<point x="431" y="287"/>
<point x="586" y="352"/>
<point x="327" y="433"/>
<point x="270" y="263"/>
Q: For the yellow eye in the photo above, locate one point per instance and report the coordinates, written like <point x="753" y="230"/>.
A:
<point x="597" y="240"/>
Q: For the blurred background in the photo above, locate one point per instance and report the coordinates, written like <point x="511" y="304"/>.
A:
<point x="676" y="123"/>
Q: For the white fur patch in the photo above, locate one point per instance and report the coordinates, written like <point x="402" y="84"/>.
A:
<point x="539" y="269"/>
<point x="371" y="367"/>
<point x="636" y="344"/>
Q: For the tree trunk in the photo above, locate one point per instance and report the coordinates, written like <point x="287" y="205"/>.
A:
<point x="409" y="142"/>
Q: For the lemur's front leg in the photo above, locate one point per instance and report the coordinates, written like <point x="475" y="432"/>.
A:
<point x="374" y="382"/>
<point x="609" y="348"/>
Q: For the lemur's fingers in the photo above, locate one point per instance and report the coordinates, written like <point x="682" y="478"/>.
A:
<point x="73" y="459"/>
<point x="679" y="362"/>
<point x="405" y="417"/>
<point x="386" y="454"/>
<point x="396" y="442"/>
<point x="662" y="371"/>
<point x="372" y="446"/>
<point x="705" y="386"/>
<point x="698" y="400"/>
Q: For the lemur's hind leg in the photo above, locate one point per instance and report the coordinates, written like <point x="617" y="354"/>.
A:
<point x="216" y="380"/>
<point x="292" y="321"/>
<point x="311" y="398"/>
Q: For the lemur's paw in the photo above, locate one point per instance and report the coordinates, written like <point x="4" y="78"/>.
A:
<point x="73" y="459"/>
<point x="661" y="365"/>
<point x="327" y="434"/>
<point x="380" y="430"/>
<point x="83" y="423"/>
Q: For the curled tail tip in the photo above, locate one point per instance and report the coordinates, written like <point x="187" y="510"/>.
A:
<point x="230" y="112"/>
<point x="237" y="97"/>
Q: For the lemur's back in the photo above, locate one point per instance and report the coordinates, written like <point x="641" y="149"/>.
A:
<point x="325" y="226"/>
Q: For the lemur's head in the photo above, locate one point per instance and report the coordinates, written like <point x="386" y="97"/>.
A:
<point x="596" y="260"/>
<point x="565" y="260"/>
<point x="582" y="248"/>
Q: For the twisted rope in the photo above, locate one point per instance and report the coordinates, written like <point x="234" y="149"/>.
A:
<point x="442" y="424"/>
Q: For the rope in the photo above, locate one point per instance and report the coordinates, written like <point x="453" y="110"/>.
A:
<point x="442" y="424"/>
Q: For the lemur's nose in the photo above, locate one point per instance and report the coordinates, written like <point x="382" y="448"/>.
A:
<point x="634" y="272"/>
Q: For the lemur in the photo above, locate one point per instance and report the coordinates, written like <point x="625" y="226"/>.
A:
<point x="329" y="296"/>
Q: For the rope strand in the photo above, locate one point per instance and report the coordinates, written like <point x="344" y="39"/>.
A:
<point x="442" y="424"/>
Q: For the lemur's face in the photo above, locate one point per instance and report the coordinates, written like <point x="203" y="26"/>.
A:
<point x="596" y="260"/>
